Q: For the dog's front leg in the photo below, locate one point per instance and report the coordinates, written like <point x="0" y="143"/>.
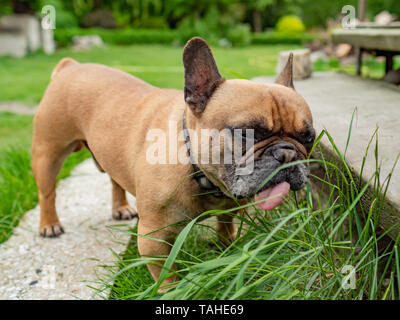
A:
<point x="226" y="229"/>
<point x="121" y="210"/>
<point x="156" y="242"/>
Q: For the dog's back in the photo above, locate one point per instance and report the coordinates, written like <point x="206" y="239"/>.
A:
<point x="98" y="106"/>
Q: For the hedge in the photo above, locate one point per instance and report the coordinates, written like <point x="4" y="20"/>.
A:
<point x="272" y="37"/>
<point x="64" y="37"/>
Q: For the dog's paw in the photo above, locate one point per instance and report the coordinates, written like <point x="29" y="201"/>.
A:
<point x="51" y="230"/>
<point x="124" y="213"/>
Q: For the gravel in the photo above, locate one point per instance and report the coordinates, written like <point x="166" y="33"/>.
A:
<point x="63" y="268"/>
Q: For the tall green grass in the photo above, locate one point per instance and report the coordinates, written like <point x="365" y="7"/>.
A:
<point x="297" y="251"/>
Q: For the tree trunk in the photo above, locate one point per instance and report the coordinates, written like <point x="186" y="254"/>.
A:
<point x="257" y="24"/>
<point x="362" y="5"/>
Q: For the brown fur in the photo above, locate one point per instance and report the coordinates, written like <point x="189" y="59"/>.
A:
<point x="110" y="112"/>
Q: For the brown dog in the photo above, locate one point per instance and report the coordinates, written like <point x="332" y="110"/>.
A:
<point x="111" y="113"/>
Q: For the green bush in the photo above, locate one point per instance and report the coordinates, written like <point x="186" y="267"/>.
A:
<point x="271" y="37"/>
<point x="102" y="18"/>
<point x="64" y="37"/>
<point x="214" y="27"/>
<point x="209" y="27"/>
<point x="239" y="35"/>
<point x="290" y="25"/>
<point x="151" y="23"/>
<point x="189" y="28"/>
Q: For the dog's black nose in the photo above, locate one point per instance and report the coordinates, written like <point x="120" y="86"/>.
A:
<point x="284" y="153"/>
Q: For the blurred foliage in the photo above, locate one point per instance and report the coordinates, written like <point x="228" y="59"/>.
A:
<point x="102" y="18"/>
<point x="272" y="37"/>
<point x="215" y="25"/>
<point x="169" y="13"/>
<point x="125" y="36"/>
<point x="290" y="25"/>
<point x="237" y="36"/>
<point x="376" y="6"/>
<point x="212" y="19"/>
<point x="64" y="18"/>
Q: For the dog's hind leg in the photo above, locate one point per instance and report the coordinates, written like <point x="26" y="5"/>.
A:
<point x="121" y="210"/>
<point x="47" y="161"/>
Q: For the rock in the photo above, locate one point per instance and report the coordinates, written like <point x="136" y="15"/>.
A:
<point x="22" y="33"/>
<point x="393" y="76"/>
<point x="87" y="42"/>
<point x="343" y="50"/>
<point x="28" y="24"/>
<point x="302" y="65"/>
<point x="48" y="44"/>
<point x="13" y="43"/>
<point x="384" y="18"/>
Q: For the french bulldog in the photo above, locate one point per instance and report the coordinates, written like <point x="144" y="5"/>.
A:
<point x="111" y="113"/>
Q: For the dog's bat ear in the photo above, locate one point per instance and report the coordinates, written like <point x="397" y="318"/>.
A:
<point x="286" y="76"/>
<point x="201" y="74"/>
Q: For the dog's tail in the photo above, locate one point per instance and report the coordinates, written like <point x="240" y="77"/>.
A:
<point x="61" y="65"/>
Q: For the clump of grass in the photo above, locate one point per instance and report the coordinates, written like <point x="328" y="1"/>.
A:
<point x="18" y="191"/>
<point x="299" y="251"/>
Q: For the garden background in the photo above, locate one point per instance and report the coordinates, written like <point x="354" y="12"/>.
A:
<point x="145" y="38"/>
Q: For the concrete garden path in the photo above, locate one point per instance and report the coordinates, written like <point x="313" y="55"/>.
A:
<point x="62" y="268"/>
<point x="17" y="107"/>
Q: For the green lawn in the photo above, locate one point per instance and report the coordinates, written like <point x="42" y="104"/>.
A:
<point x="26" y="79"/>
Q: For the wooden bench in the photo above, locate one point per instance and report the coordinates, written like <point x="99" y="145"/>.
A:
<point x="379" y="41"/>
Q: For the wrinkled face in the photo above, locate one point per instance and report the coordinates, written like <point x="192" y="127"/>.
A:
<point x="273" y="124"/>
<point x="272" y="121"/>
<point x="281" y="132"/>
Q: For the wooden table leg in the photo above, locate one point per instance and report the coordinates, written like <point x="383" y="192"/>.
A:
<point x="389" y="62"/>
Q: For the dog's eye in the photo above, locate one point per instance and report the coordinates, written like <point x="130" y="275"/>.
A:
<point x="309" y="140"/>
<point x="308" y="137"/>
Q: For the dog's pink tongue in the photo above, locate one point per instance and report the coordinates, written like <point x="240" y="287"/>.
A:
<point x="273" y="196"/>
